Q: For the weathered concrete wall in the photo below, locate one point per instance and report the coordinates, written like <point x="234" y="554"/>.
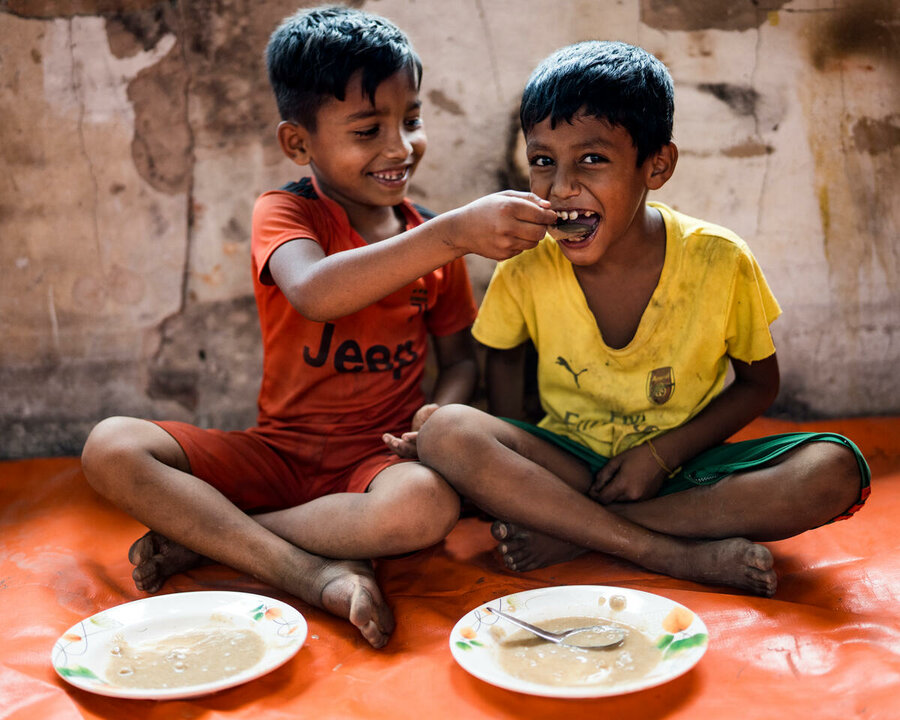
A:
<point x="136" y="134"/>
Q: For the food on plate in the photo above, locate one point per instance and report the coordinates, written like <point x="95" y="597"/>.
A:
<point x="192" y="658"/>
<point x="530" y="658"/>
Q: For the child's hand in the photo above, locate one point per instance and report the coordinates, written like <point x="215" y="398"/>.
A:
<point x="633" y="475"/>
<point x="502" y="225"/>
<point x="405" y="445"/>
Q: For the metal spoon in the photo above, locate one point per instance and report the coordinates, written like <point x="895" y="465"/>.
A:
<point x="604" y="636"/>
<point x="569" y="231"/>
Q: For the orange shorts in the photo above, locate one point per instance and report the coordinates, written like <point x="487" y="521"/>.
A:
<point x="274" y="468"/>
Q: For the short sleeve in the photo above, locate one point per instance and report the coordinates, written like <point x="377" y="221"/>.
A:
<point x="454" y="309"/>
<point x="277" y="218"/>
<point x="753" y="307"/>
<point x="501" y="322"/>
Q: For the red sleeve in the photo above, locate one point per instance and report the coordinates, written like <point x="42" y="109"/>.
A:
<point x="455" y="308"/>
<point x="277" y="218"/>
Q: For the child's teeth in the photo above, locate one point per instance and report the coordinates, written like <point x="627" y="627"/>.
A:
<point x="574" y="214"/>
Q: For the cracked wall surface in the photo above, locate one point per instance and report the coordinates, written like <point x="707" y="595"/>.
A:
<point x="136" y="135"/>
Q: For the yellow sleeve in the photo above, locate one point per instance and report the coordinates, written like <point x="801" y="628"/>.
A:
<point x="753" y="308"/>
<point x="501" y="321"/>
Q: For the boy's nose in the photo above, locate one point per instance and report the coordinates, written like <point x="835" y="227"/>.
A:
<point x="564" y="185"/>
<point x="399" y="146"/>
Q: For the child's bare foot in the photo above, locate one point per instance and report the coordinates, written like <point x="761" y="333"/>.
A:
<point x="347" y="588"/>
<point x="523" y="550"/>
<point x="735" y="562"/>
<point x="156" y="559"/>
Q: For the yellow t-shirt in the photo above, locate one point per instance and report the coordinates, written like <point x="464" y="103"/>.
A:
<point x="711" y="302"/>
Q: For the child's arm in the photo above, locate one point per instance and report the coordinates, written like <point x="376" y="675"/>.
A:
<point x="457" y="368"/>
<point x="637" y="474"/>
<point x="455" y="383"/>
<point x="324" y="287"/>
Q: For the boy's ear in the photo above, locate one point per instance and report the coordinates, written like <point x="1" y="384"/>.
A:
<point x="661" y="165"/>
<point x="294" y="141"/>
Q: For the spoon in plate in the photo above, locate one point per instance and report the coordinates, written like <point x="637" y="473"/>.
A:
<point x="593" y="637"/>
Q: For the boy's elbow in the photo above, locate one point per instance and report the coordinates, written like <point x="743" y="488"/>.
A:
<point x="774" y="389"/>
<point x="306" y="303"/>
<point x="767" y="396"/>
<point x="774" y="377"/>
<point x="311" y="312"/>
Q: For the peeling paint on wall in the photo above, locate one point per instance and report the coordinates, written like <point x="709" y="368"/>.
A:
<point x="866" y="159"/>
<point x="48" y="9"/>
<point x="691" y="15"/>
<point x="865" y="28"/>
<point x="876" y="135"/>
<point x="440" y="99"/>
<point x="211" y="354"/>
<point x="162" y="148"/>
<point x="748" y="148"/>
<point x="125" y="253"/>
<point x="742" y="99"/>
<point x="850" y="95"/>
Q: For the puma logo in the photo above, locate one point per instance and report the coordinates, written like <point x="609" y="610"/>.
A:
<point x="562" y="361"/>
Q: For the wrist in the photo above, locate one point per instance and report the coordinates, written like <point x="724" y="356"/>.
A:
<point x="450" y="231"/>
<point x="665" y="467"/>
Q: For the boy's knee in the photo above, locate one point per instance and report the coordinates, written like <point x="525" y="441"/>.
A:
<point x="99" y="446"/>
<point x="445" y="429"/>
<point x="109" y="445"/>
<point x="432" y="510"/>
<point x="839" y="473"/>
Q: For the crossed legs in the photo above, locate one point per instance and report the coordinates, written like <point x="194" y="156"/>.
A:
<point x="538" y="492"/>
<point x="317" y="551"/>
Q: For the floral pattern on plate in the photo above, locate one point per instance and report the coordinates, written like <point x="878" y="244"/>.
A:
<point x="81" y="654"/>
<point x="677" y="631"/>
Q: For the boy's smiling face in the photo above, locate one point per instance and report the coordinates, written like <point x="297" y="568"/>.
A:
<point x="588" y="171"/>
<point x="363" y="153"/>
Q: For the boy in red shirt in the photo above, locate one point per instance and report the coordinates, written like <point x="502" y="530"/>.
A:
<point x="350" y="282"/>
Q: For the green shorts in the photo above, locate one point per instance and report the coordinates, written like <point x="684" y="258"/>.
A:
<point x="718" y="462"/>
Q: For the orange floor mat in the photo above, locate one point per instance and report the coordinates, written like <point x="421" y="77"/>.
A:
<point x="826" y="646"/>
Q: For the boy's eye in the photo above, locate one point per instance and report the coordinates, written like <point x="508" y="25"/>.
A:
<point x="366" y="132"/>
<point x="594" y="158"/>
<point x="540" y="161"/>
<point x="413" y="123"/>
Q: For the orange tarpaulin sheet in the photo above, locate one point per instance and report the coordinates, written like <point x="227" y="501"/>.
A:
<point x="828" y="643"/>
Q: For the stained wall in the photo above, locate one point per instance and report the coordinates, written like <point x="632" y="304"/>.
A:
<point x="136" y="134"/>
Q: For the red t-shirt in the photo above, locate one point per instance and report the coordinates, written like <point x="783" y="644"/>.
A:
<point x="361" y="373"/>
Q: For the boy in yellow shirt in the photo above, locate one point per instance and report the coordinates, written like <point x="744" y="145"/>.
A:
<point x="636" y="312"/>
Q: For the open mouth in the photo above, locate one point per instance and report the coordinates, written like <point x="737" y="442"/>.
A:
<point x="574" y="226"/>
<point x="394" y="176"/>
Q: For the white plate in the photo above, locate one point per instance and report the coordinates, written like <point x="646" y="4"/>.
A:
<point x="680" y="634"/>
<point x="82" y="653"/>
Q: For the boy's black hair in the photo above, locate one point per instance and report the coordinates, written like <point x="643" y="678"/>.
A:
<point x="312" y="55"/>
<point x="620" y="83"/>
